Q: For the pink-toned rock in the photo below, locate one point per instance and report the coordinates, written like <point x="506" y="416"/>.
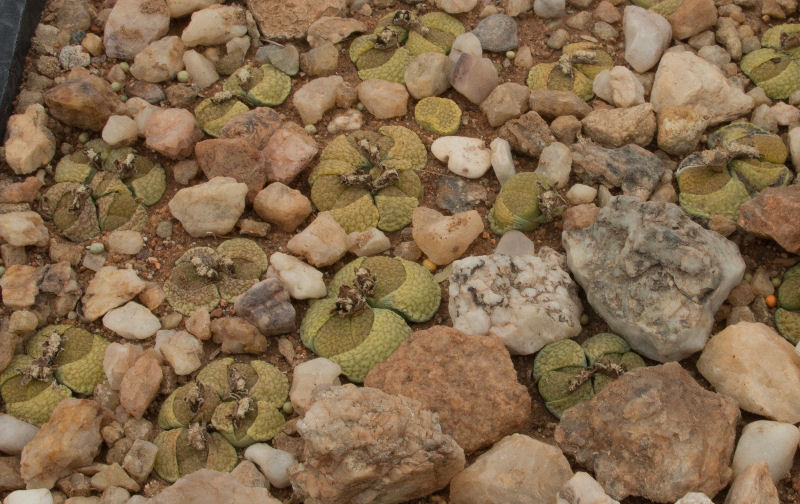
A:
<point x="283" y="206"/>
<point x="468" y="380"/>
<point x="579" y="216"/>
<point x="159" y="61"/>
<point x="642" y="435"/>
<point x="20" y="192"/>
<point x="132" y="24"/>
<point x="110" y="287"/>
<point x="199" y="324"/>
<point x="321" y="243"/>
<point x="21" y="229"/>
<point x="692" y="17"/>
<point x="140" y="384"/>
<point x="474" y="77"/>
<point x="213" y="207"/>
<point x="317" y="97"/>
<point x="506" y="101"/>
<point x="19" y="285"/>
<point x="444" y="238"/>
<point x="256" y="126"/>
<point x="775" y="214"/>
<point x="236" y="335"/>
<point x="172" y="132"/>
<point x="363" y="445"/>
<point x="70" y="439"/>
<point x="30" y="145"/>
<point x="83" y="100"/>
<point x="288" y="152"/>
<point x="232" y="157"/>
<point x="212" y="487"/>
<point x="382" y="98"/>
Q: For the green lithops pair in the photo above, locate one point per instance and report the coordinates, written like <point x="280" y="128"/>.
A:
<point x="743" y="160"/>
<point x="776" y="66"/>
<point x="213" y="113"/>
<point x="103" y="189"/>
<point x="261" y="86"/>
<point x="229" y="405"/>
<point x="787" y="316"/>
<point x="568" y="373"/>
<point x="368" y="179"/>
<point x="363" y="319"/>
<point x="519" y="205"/>
<point x="574" y="71"/>
<point x="60" y="360"/>
<point x="202" y="275"/>
<point x="441" y="116"/>
<point x="398" y="38"/>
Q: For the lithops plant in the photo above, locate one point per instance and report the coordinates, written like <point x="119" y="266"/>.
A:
<point x="787" y="316"/>
<point x="213" y="113"/>
<point x="202" y="275"/>
<point x="368" y="179"/>
<point x="441" y="116"/>
<point x="785" y="37"/>
<point x="398" y="38"/>
<point x="60" y="360"/>
<point x="260" y="86"/>
<point x="568" y="373"/>
<point x="574" y="71"/>
<point x="188" y="449"/>
<point x="362" y="321"/>
<point x="103" y="189"/>
<point x="777" y="72"/>
<point x="525" y="201"/>
<point x="742" y="160"/>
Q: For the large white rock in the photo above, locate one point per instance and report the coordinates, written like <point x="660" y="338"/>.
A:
<point x="272" y="462"/>
<point x="757" y="367"/>
<point x="120" y="130"/>
<point x="527" y="301"/>
<point x="36" y="496"/>
<point x="132" y="321"/>
<point x="307" y="376"/>
<point x="464" y="156"/>
<point x="200" y="68"/>
<point x="773" y="442"/>
<point x="132" y="24"/>
<point x="15" y="434"/>
<point x="685" y="79"/>
<point x="159" y="61"/>
<point x="555" y="163"/>
<point x="300" y="279"/>
<point x="516" y="470"/>
<point x="215" y="25"/>
<point x="647" y="36"/>
<point x="619" y="87"/>
<point x="211" y="208"/>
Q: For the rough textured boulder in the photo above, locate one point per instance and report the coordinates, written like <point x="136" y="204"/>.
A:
<point x="633" y="169"/>
<point x="210" y="487"/>
<point x="655" y="276"/>
<point x="363" y="445"/>
<point x="468" y="380"/>
<point x="279" y="19"/>
<point x="755" y="366"/>
<point x="653" y="432"/>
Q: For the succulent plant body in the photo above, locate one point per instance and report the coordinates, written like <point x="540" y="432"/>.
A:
<point x="525" y="201"/>
<point x="776" y="66"/>
<point x="441" y="116"/>
<point x="574" y="71"/>
<point x="787" y="316"/>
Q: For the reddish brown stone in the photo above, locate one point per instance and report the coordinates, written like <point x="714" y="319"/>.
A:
<point x="140" y="384"/>
<point x="774" y="213"/>
<point x="692" y="17"/>
<point x="288" y="152"/>
<point x="653" y="432"/>
<point x="468" y="380"/>
<point x="256" y="126"/>
<point x="20" y="192"/>
<point x="232" y="157"/>
<point x="84" y="100"/>
<point x="579" y="216"/>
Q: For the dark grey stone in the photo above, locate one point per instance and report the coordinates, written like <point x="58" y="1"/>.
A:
<point x="497" y="33"/>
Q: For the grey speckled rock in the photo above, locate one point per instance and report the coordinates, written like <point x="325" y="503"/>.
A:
<point x="497" y="33"/>
<point x="655" y="276"/>
<point x="635" y="170"/>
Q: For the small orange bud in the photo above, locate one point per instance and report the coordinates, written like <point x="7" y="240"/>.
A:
<point x="430" y="265"/>
<point x="771" y="301"/>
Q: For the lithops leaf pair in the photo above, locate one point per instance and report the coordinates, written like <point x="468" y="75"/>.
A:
<point x="60" y="360"/>
<point x="230" y="404"/>
<point x="368" y="179"/>
<point x="398" y="38"/>
<point x="260" y="86"/>
<point x="787" y="316"/>
<point x="213" y="113"/>
<point x="103" y="189"/>
<point x="202" y="275"/>
<point x="776" y="66"/>
<point x="743" y="159"/>
<point x="574" y="71"/>
<point x="524" y="202"/>
<point x="363" y="319"/>
<point x="568" y="373"/>
<point x="441" y="116"/>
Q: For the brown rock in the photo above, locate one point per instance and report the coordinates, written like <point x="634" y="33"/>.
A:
<point x="19" y="285"/>
<point x="140" y="384"/>
<point x="774" y="214"/>
<point x="29" y="145"/>
<point x="566" y="128"/>
<point x="211" y="487"/>
<point x="321" y="60"/>
<point x="199" y="324"/>
<point x="753" y="486"/>
<point x="70" y="439"/>
<point x="527" y="134"/>
<point x="363" y="445"/>
<point x="84" y="100"/>
<point x="444" y="238"/>
<point x="9" y="474"/>
<point x="8" y="343"/>
<point x="654" y="432"/>
<point x="621" y="126"/>
<point x="232" y="157"/>
<point x="332" y="30"/>
<point x="468" y="380"/>
<point x="551" y="104"/>
<point x="172" y="132"/>
<point x="692" y="17"/>
<point x="20" y="192"/>
<point x="255" y="126"/>
<point x="280" y="20"/>
<point x="741" y="295"/>
<point x="288" y="152"/>
<point x="282" y="206"/>
<point x="506" y="101"/>
<point x="236" y="335"/>
<point x="579" y="216"/>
